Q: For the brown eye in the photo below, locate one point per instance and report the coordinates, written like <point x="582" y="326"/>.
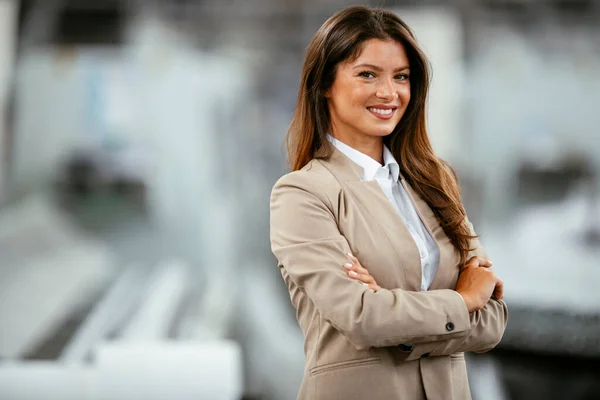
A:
<point x="366" y="74"/>
<point x="402" y="77"/>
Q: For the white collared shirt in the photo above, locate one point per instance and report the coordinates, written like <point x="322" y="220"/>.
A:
<point x="388" y="178"/>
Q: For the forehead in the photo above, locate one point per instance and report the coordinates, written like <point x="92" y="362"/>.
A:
<point x="384" y="52"/>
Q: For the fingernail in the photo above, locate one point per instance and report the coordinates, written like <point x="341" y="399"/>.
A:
<point x="348" y="265"/>
<point x="354" y="274"/>
<point x="366" y="284"/>
<point x="349" y="254"/>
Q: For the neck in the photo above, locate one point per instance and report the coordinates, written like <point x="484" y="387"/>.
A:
<point x="372" y="146"/>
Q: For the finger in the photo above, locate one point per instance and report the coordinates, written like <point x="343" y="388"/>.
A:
<point x="366" y="278"/>
<point x="360" y="269"/>
<point x="497" y="295"/>
<point x="499" y="290"/>
<point x="473" y="262"/>
<point x="375" y="287"/>
<point x="354" y="260"/>
<point x="479" y="262"/>
<point x="354" y="273"/>
<point x="357" y="266"/>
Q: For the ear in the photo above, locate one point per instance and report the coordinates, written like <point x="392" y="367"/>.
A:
<point x="327" y="93"/>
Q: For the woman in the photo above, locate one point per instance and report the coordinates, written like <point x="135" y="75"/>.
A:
<point x="390" y="283"/>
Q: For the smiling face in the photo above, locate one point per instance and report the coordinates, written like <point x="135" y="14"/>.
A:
<point x="369" y="94"/>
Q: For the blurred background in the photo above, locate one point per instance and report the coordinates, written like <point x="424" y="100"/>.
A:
<point x="139" y="141"/>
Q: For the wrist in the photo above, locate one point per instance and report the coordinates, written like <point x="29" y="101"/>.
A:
<point x="467" y="300"/>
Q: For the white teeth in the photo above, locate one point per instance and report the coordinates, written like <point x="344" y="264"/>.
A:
<point x="380" y="111"/>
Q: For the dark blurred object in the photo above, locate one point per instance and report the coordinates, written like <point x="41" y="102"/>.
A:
<point x="81" y="177"/>
<point x="73" y="22"/>
<point x="549" y="377"/>
<point x="82" y="23"/>
<point x="85" y="176"/>
<point x="100" y="190"/>
<point x="547" y="331"/>
<point x="543" y="184"/>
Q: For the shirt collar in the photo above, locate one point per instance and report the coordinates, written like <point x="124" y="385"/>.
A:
<point x="390" y="162"/>
<point x="368" y="165"/>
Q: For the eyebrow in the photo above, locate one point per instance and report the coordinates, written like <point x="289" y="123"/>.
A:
<point x="376" y="68"/>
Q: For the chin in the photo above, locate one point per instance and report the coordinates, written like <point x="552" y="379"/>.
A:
<point x="382" y="131"/>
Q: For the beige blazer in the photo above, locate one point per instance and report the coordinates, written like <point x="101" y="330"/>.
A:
<point x="398" y="343"/>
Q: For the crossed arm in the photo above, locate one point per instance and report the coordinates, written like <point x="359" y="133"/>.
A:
<point x="306" y="241"/>
<point x="473" y="342"/>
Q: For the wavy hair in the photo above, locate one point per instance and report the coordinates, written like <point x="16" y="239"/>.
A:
<point x="340" y="39"/>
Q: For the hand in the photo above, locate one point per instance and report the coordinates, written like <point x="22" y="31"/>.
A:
<point x="477" y="283"/>
<point x="359" y="273"/>
<point x="482" y="262"/>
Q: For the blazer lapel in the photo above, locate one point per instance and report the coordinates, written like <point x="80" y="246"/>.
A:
<point x="371" y="199"/>
<point x="446" y="273"/>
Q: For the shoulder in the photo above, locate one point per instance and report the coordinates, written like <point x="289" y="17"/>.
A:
<point x="314" y="180"/>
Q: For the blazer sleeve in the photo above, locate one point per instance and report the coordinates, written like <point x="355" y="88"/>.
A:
<point x="308" y="245"/>
<point x="486" y="325"/>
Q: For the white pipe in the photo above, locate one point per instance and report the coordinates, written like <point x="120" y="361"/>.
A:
<point x="160" y="302"/>
<point x="116" y="306"/>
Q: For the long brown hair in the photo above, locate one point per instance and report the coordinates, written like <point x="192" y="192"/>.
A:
<point x="340" y="39"/>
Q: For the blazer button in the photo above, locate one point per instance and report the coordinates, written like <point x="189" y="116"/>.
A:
<point x="406" y="347"/>
<point x="425" y="355"/>
<point x="449" y="326"/>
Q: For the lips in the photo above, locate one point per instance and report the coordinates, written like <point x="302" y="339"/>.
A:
<point x="382" y="112"/>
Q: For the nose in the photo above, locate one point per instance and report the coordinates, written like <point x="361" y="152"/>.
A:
<point x="386" y="90"/>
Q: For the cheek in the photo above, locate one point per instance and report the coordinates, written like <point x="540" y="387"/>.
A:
<point x="404" y="94"/>
<point x="343" y="96"/>
<point x="359" y="96"/>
